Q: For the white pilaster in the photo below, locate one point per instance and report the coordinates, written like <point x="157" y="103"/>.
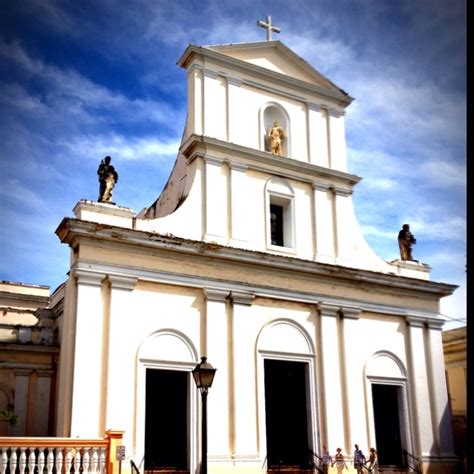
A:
<point x="419" y="387"/>
<point x="214" y="105"/>
<point x="331" y="388"/>
<point x="195" y="110"/>
<point x="324" y="225"/>
<point x="352" y="394"/>
<point x="219" y="357"/>
<point x="318" y="136"/>
<point x="337" y="140"/>
<point x="118" y="316"/>
<point x="88" y="356"/>
<point x="239" y="206"/>
<point x="245" y="402"/>
<point x="216" y="201"/>
<point x="22" y="378"/>
<point x="342" y="212"/>
<point x="233" y="118"/>
<point x="442" y="422"/>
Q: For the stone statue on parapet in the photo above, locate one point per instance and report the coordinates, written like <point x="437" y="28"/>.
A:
<point x="275" y="138"/>
<point x="107" y="179"/>
<point x="406" y="240"/>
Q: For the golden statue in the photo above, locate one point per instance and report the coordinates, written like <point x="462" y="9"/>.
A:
<point x="275" y="138"/>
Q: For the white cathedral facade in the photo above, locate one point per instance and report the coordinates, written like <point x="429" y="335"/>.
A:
<point x="256" y="261"/>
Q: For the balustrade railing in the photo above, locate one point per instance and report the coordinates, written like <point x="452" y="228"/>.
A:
<point x="58" y="455"/>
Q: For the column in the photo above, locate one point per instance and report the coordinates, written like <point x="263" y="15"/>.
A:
<point x="337" y="140"/>
<point x="245" y="402"/>
<point x="317" y="135"/>
<point x="216" y="201"/>
<point x="118" y="356"/>
<point x="88" y="355"/>
<point x="42" y="402"/>
<point x="343" y="221"/>
<point x="195" y="110"/>
<point x="239" y="206"/>
<point x="214" y="105"/>
<point x="352" y="389"/>
<point x="324" y="227"/>
<point x="419" y="387"/>
<point x="217" y="353"/>
<point x="331" y="389"/>
<point x="22" y="378"/>
<point x="442" y="422"/>
<point x="233" y="119"/>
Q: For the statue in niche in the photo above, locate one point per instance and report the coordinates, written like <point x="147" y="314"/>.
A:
<point x="107" y="179"/>
<point x="406" y="240"/>
<point x="275" y="138"/>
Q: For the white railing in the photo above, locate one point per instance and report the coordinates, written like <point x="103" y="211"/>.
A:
<point x="53" y="456"/>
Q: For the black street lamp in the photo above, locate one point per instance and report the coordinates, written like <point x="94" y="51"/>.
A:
<point x="203" y="375"/>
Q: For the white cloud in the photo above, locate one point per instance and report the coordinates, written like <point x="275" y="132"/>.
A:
<point x="443" y="173"/>
<point x="122" y="148"/>
<point x="71" y="94"/>
<point x="19" y="192"/>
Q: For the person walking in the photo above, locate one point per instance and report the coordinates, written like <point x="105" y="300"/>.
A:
<point x="339" y="461"/>
<point x="359" y="459"/>
<point x="326" y="459"/>
<point x="372" y="462"/>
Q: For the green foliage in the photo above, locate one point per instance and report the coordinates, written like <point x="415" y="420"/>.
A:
<point x="8" y="416"/>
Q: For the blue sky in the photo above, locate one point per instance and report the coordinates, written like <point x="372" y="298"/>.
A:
<point x="83" y="79"/>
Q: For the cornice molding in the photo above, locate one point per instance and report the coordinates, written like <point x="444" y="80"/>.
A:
<point x="416" y="321"/>
<point x="328" y="309"/>
<point x="280" y="81"/>
<point x="216" y="294"/>
<point x="331" y="306"/>
<point x="175" y="247"/>
<point x="336" y="113"/>
<point x="213" y="160"/>
<point x="350" y="313"/>
<point x="122" y="282"/>
<point x="88" y="278"/>
<point x="342" y="191"/>
<point x="209" y="73"/>
<point x="314" y="107"/>
<point x="244" y="299"/>
<point x="321" y="186"/>
<point x="233" y="81"/>
<point x="206" y="147"/>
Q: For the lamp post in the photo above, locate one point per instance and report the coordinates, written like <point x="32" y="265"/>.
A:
<point x="203" y="375"/>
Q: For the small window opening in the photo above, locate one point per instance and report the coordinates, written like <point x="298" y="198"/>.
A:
<point x="276" y="225"/>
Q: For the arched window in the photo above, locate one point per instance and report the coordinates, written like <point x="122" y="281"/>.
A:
<point x="271" y="113"/>
<point x="280" y="214"/>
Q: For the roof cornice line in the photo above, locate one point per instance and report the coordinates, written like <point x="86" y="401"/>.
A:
<point x="71" y="231"/>
<point x="200" y="145"/>
<point x="260" y="71"/>
<point x="349" y="306"/>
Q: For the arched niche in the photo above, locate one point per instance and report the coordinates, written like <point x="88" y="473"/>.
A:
<point x="279" y="186"/>
<point x="285" y="336"/>
<point x="386" y="365"/>
<point x="270" y="113"/>
<point x="168" y="346"/>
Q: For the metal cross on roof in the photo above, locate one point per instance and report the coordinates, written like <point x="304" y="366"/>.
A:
<point x="269" y="27"/>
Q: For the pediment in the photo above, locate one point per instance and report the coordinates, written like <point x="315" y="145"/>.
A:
<point x="277" y="57"/>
